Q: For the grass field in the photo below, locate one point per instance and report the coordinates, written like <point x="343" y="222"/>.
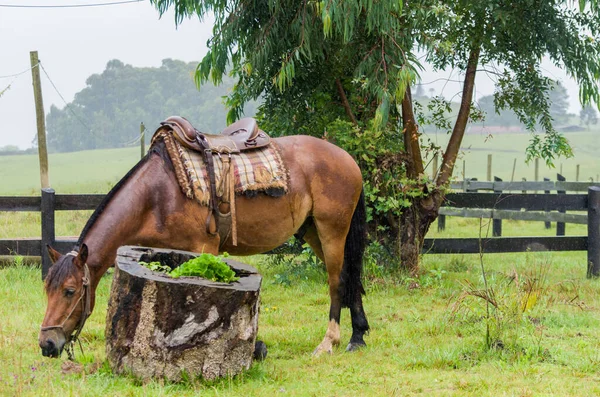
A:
<point x="90" y="171"/>
<point x="505" y="148"/>
<point x="428" y="332"/>
<point x="416" y="345"/>
<point x="95" y="171"/>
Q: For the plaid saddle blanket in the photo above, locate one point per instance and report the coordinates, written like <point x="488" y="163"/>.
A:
<point x="260" y="170"/>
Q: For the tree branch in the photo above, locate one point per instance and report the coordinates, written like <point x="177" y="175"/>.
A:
<point x="461" y="120"/>
<point x="345" y="102"/>
<point x="411" y="137"/>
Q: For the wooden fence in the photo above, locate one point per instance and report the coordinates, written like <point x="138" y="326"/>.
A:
<point x="498" y="186"/>
<point x="49" y="202"/>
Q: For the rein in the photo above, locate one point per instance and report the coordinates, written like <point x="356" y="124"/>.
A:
<point x="85" y="299"/>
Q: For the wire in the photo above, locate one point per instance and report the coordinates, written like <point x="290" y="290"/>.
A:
<point x="2" y="92"/>
<point x="20" y="73"/>
<point x="14" y="78"/>
<point x="70" y="5"/>
<point x="135" y="140"/>
<point x="446" y="79"/>
<point x="67" y="105"/>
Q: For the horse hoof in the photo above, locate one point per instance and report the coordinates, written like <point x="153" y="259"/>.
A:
<point x="320" y="350"/>
<point x="260" y="350"/>
<point x="352" y="347"/>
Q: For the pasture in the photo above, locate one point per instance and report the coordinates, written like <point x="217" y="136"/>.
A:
<point x="428" y="332"/>
<point x="417" y="345"/>
<point x="95" y="171"/>
<point x="505" y="148"/>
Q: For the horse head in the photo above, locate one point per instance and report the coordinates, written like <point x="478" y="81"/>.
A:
<point x="69" y="300"/>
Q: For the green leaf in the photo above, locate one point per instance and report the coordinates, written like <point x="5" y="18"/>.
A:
<point x="326" y="24"/>
<point x="206" y="266"/>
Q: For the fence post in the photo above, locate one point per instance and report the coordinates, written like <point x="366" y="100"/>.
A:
<point x="560" y="226"/>
<point x="471" y="190"/>
<point x="593" y="231"/>
<point x="441" y="223"/>
<point x="497" y="223"/>
<point x="48" y="233"/>
<point x="142" y="140"/>
<point x="547" y="224"/>
<point x="512" y="176"/>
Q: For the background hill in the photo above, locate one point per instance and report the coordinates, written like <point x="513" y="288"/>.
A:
<point x="108" y="111"/>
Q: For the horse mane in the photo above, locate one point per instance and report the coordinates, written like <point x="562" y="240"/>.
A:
<point x="64" y="268"/>
<point x="156" y="148"/>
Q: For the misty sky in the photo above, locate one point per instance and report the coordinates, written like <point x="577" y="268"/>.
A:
<point x="74" y="43"/>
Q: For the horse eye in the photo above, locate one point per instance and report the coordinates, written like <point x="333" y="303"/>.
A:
<point x="69" y="292"/>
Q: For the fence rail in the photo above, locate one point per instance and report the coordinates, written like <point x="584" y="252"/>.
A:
<point x="489" y="205"/>
<point x="546" y="202"/>
<point x="514" y="215"/>
<point x="523" y="186"/>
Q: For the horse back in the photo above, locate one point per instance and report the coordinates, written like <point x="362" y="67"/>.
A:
<point x="323" y="181"/>
<point x="312" y="161"/>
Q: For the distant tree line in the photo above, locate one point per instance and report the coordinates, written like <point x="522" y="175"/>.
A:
<point x="10" y="150"/>
<point x="559" y="109"/>
<point x="108" y="111"/>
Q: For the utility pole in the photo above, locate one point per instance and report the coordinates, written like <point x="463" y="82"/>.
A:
<point x="40" y="119"/>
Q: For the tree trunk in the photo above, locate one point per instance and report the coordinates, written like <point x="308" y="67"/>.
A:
<point x="417" y="218"/>
<point x="161" y="327"/>
<point x="414" y="225"/>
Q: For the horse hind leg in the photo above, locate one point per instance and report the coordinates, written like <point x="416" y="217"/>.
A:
<point x="332" y="254"/>
<point x="360" y="325"/>
<point x="341" y="247"/>
<point x="352" y="274"/>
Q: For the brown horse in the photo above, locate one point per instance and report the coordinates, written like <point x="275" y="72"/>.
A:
<point x="147" y="207"/>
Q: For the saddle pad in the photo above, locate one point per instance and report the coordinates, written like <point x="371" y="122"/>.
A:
<point x="260" y="170"/>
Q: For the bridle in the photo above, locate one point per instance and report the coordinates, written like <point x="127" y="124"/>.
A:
<point x="85" y="299"/>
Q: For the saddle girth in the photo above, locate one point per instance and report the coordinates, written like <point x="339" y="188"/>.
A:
<point x="213" y="205"/>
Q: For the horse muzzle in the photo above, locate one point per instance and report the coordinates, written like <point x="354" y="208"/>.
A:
<point x="52" y="343"/>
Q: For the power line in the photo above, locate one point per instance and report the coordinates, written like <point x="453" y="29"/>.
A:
<point x="18" y="74"/>
<point x="135" y="140"/>
<point x="67" y="105"/>
<point x="14" y="78"/>
<point x="70" y="5"/>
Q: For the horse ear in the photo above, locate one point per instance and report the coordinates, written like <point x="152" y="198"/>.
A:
<point x="54" y="254"/>
<point x="83" y="254"/>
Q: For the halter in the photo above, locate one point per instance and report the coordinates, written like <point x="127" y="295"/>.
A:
<point x="85" y="299"/>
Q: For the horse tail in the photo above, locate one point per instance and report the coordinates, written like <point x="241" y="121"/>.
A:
<point x="351" y="283"/>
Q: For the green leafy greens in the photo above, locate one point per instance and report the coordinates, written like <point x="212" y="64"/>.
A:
<point x="156" y="266"/>
<point x="206" y="266"/>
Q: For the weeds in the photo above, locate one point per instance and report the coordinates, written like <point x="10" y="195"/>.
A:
<point x="513" y="306"/>
<point x="291" y="269"/>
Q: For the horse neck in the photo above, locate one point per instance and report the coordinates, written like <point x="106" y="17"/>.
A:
<point x="131" y="216"/>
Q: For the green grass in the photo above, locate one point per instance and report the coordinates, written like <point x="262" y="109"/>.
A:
<point x="415" y="346"/>
<point x="90" y="171"/>
<point x="505" y="148"/>
<point x="95" y="171"/>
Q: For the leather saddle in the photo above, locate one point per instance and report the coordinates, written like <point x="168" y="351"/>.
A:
<point x="242" y="135"/>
